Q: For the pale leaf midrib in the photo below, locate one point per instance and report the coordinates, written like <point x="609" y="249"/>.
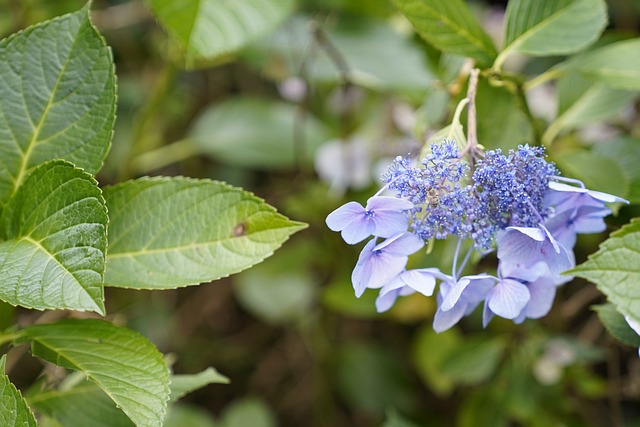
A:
<point x="52" y="257"/>
<point x="36" y="132"/>
<point x="92" y="374"/>
<point x="141" y="252"/>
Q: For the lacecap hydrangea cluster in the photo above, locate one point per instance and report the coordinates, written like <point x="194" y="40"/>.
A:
<point x="514" y="203"/>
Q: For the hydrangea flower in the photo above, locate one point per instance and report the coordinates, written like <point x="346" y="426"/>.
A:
<point x="510" y="201"/>
<point x="378" y="264"/>
<point x="421" y="280"/>
<point x="382" y="217"/>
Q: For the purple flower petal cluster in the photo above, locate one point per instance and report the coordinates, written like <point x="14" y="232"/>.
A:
<point x="514" y="203"/>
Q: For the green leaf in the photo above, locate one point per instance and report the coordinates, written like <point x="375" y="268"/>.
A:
<point x="582" y="102"/>
<point x="54" y="229"/>
<point x="82" y="405"/>
<point x="394" y="419"/>
<point x="208" y="29"/>
<point x="617" y="64"/>
<point x="376" y="56"/>
<point x="173" y="232"/>
<point x="626" y="152"/>
<point x="258" y="133"/>
<point x="248" y="412"/>
<point x="617" y="325"/>
<point x="371" y="378"/>
<point x="450" y="27"/>
<point x="57" y="98"/>
<point x="123" y="363"/>
<point x="597" y="172"/>
<point x="615" y="269"/>
<point x="474" y="361"/>
<point x="552" y="27"/>
<point x="14" y="411"/>
<point x="184" y="384"/>
<point x="502" y="123"/>
<point x="182" y="415"/>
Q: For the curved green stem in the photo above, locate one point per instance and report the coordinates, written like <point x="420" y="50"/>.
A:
<point x="550" y="74"/>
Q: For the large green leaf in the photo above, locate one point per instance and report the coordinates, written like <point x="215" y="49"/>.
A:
<point x="617" y="64"/>
<point x="57" y="98"/>
<point x="82" y="405"/>
<point x="123" y="363"/>
<point x="615" y="269"/>
<point x="626" y="152"/>
<point x="256" y="132"/>
<point x="54" y="229"/>
<point x="597" y="172"/>
<point x="208" y="29"/>
<point x="186" y="383"/>
<point x="449" y="26"/>
<point x="582" y="102"/>
<point x="617" y="325"/>
<point x="14" y="411"/>
<point x="552" y="27"/>
<point x="172" y="232"/>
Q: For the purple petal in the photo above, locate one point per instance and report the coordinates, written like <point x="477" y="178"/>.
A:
<point x="344" y="215"/>
<point x="361" y="274"/>
<point x="401" y="244"/>
<point x="358" y="230"/>
<point x="421" y="280"/>
<point x="383" y="203"/>
<point x="516" y="248"/>
<point x="542" y="292"/>
<point x="508" y="298"/>
<point x="562" y="228"/>
<point x="444" y="320"/>
<point x="454" y="294"/>
<point x="386" y="300"/>
<point x="388" y="223"/>
<point x="384" y="268"/>
<point x="487" y="315"/>
<point x="607" y="198"/>
<point x="635" y="325"/>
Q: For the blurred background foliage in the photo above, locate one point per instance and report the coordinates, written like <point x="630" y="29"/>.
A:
<point x="306" y="110"/>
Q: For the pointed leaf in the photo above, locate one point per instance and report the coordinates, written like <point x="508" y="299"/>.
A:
<point x="617" y="64"/>
<point x="173" y="232"/>
<point x="221" y="131"/>
<point x="57" y="98"/>
<point x="82" y="405"/>
<point x="615" y="269"/>
<point x="55" y="239"/>
<point x="184" y="384"/>
<point x="449" y="26"/>
<point x="14" y="411"/>
<point x="123" y="363"/>
<point x="552" y="27"/>
<point x="617" y="325"/>
<point x="582" y="102"/>
<point x="208" y="29"/>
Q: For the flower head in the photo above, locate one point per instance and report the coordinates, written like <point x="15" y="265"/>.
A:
<point x="382" y="217"/>
<point x="421" y="280"/>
